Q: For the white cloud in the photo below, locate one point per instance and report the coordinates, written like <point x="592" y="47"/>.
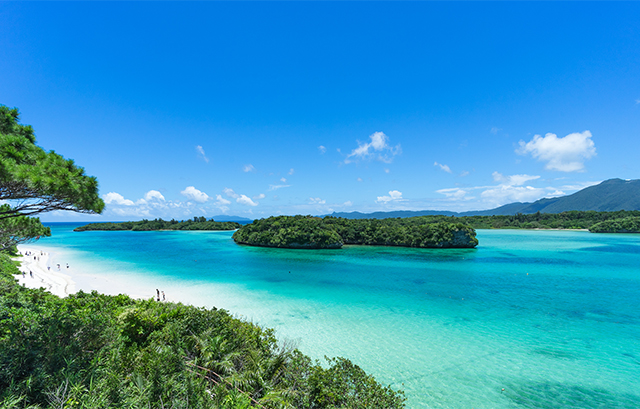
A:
<point x="221" y="201"/>
<point x="194" y="194"/>
<point x="394" y="196"/>
<point x="243" y="199"/>
<point x="276" y="187"/>
<point x="116" y="198"/>
<point x="348" y="203"/>
<point x="291" y="171"/>
<point x="283" y="180"/>
<point x="637" y="101"/>
<point x="378" y="148"/>
<point x="153" y="195"/>
<point x="248" y="168"/>
<point x="322" y="149"/>
<point x="316" y="200"/>
<point x="359" y="179"/>
<point x="230" y="193"/>
<point x="201" y="153"/>
<point x="443" y="167"/>
<point x="260" y="196"/>
<point x="562" y="154"/>
<point x="387" y="170"/>
<point x="494" y="130"/>
<point x="464" y="173"/>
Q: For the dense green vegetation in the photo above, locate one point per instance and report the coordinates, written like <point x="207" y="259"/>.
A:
<point x="626" y="225"/>
<point x="197" y="223"/>
<point x="34" y="181"/>
<point x="289" y="231"/>
<point x="437" y="231"/>
<point x="98" y="351"/>
<point x="566" y="220"/>
<point x="333" y="232"/>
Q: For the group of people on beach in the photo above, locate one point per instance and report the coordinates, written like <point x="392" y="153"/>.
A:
<point x="158" y="295"/>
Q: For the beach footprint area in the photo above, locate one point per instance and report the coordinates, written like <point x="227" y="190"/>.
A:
<point x="529" y="319"/>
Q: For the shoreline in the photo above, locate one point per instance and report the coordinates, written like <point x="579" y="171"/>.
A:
<point x="40" y="270"/>
<point x="37" y="272"/>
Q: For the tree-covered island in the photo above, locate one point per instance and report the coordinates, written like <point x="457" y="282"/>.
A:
<point x="307" y="232"/>
<point x="197" y="223"/>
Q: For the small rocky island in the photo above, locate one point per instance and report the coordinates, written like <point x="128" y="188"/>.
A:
<point x="307" y="232"/>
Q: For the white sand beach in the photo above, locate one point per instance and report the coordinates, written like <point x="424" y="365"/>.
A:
<point x="42" y="268"/>
<point x="37" y="272"/>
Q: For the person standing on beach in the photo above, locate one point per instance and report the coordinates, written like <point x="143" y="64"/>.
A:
<point x="157" y="294"/>
<point x="163" y="297"/>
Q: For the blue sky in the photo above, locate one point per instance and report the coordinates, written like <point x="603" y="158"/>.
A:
<point x="258" y="109"/>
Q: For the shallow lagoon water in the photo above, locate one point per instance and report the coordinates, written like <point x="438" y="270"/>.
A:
<point x="553" y="317"/>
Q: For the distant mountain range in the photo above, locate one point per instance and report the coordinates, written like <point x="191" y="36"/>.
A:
<point x="608" y="196"/>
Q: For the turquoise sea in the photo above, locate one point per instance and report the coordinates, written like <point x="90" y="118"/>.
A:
<point x="551" y="317"/>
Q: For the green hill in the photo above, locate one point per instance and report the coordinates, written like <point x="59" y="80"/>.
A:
<point x="609" y="196"/>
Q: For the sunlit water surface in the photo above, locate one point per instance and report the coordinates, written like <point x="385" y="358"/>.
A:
<point x="551" y="317"/>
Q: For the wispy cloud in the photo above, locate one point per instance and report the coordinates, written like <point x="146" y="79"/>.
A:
<point x="455" y="193"/>
<point x="562" y="154"/>
<point x="511" y="188"/>
<point x="322" y="149"/>
<point x="201" y="153"/>
<point x="316" y="200"/>
<point x="276" y="187"/>
<point x="443" y="167"/>
<point x="260" y="196"/>
<point x="248" y="168"/>
<point x="378" y="148"/>
<point x="291" y="171"/>
<point x="513" y="180"/>
<point x="494" y="130"/>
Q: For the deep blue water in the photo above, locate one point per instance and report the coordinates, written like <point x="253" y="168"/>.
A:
<point x="552" y="317"/>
